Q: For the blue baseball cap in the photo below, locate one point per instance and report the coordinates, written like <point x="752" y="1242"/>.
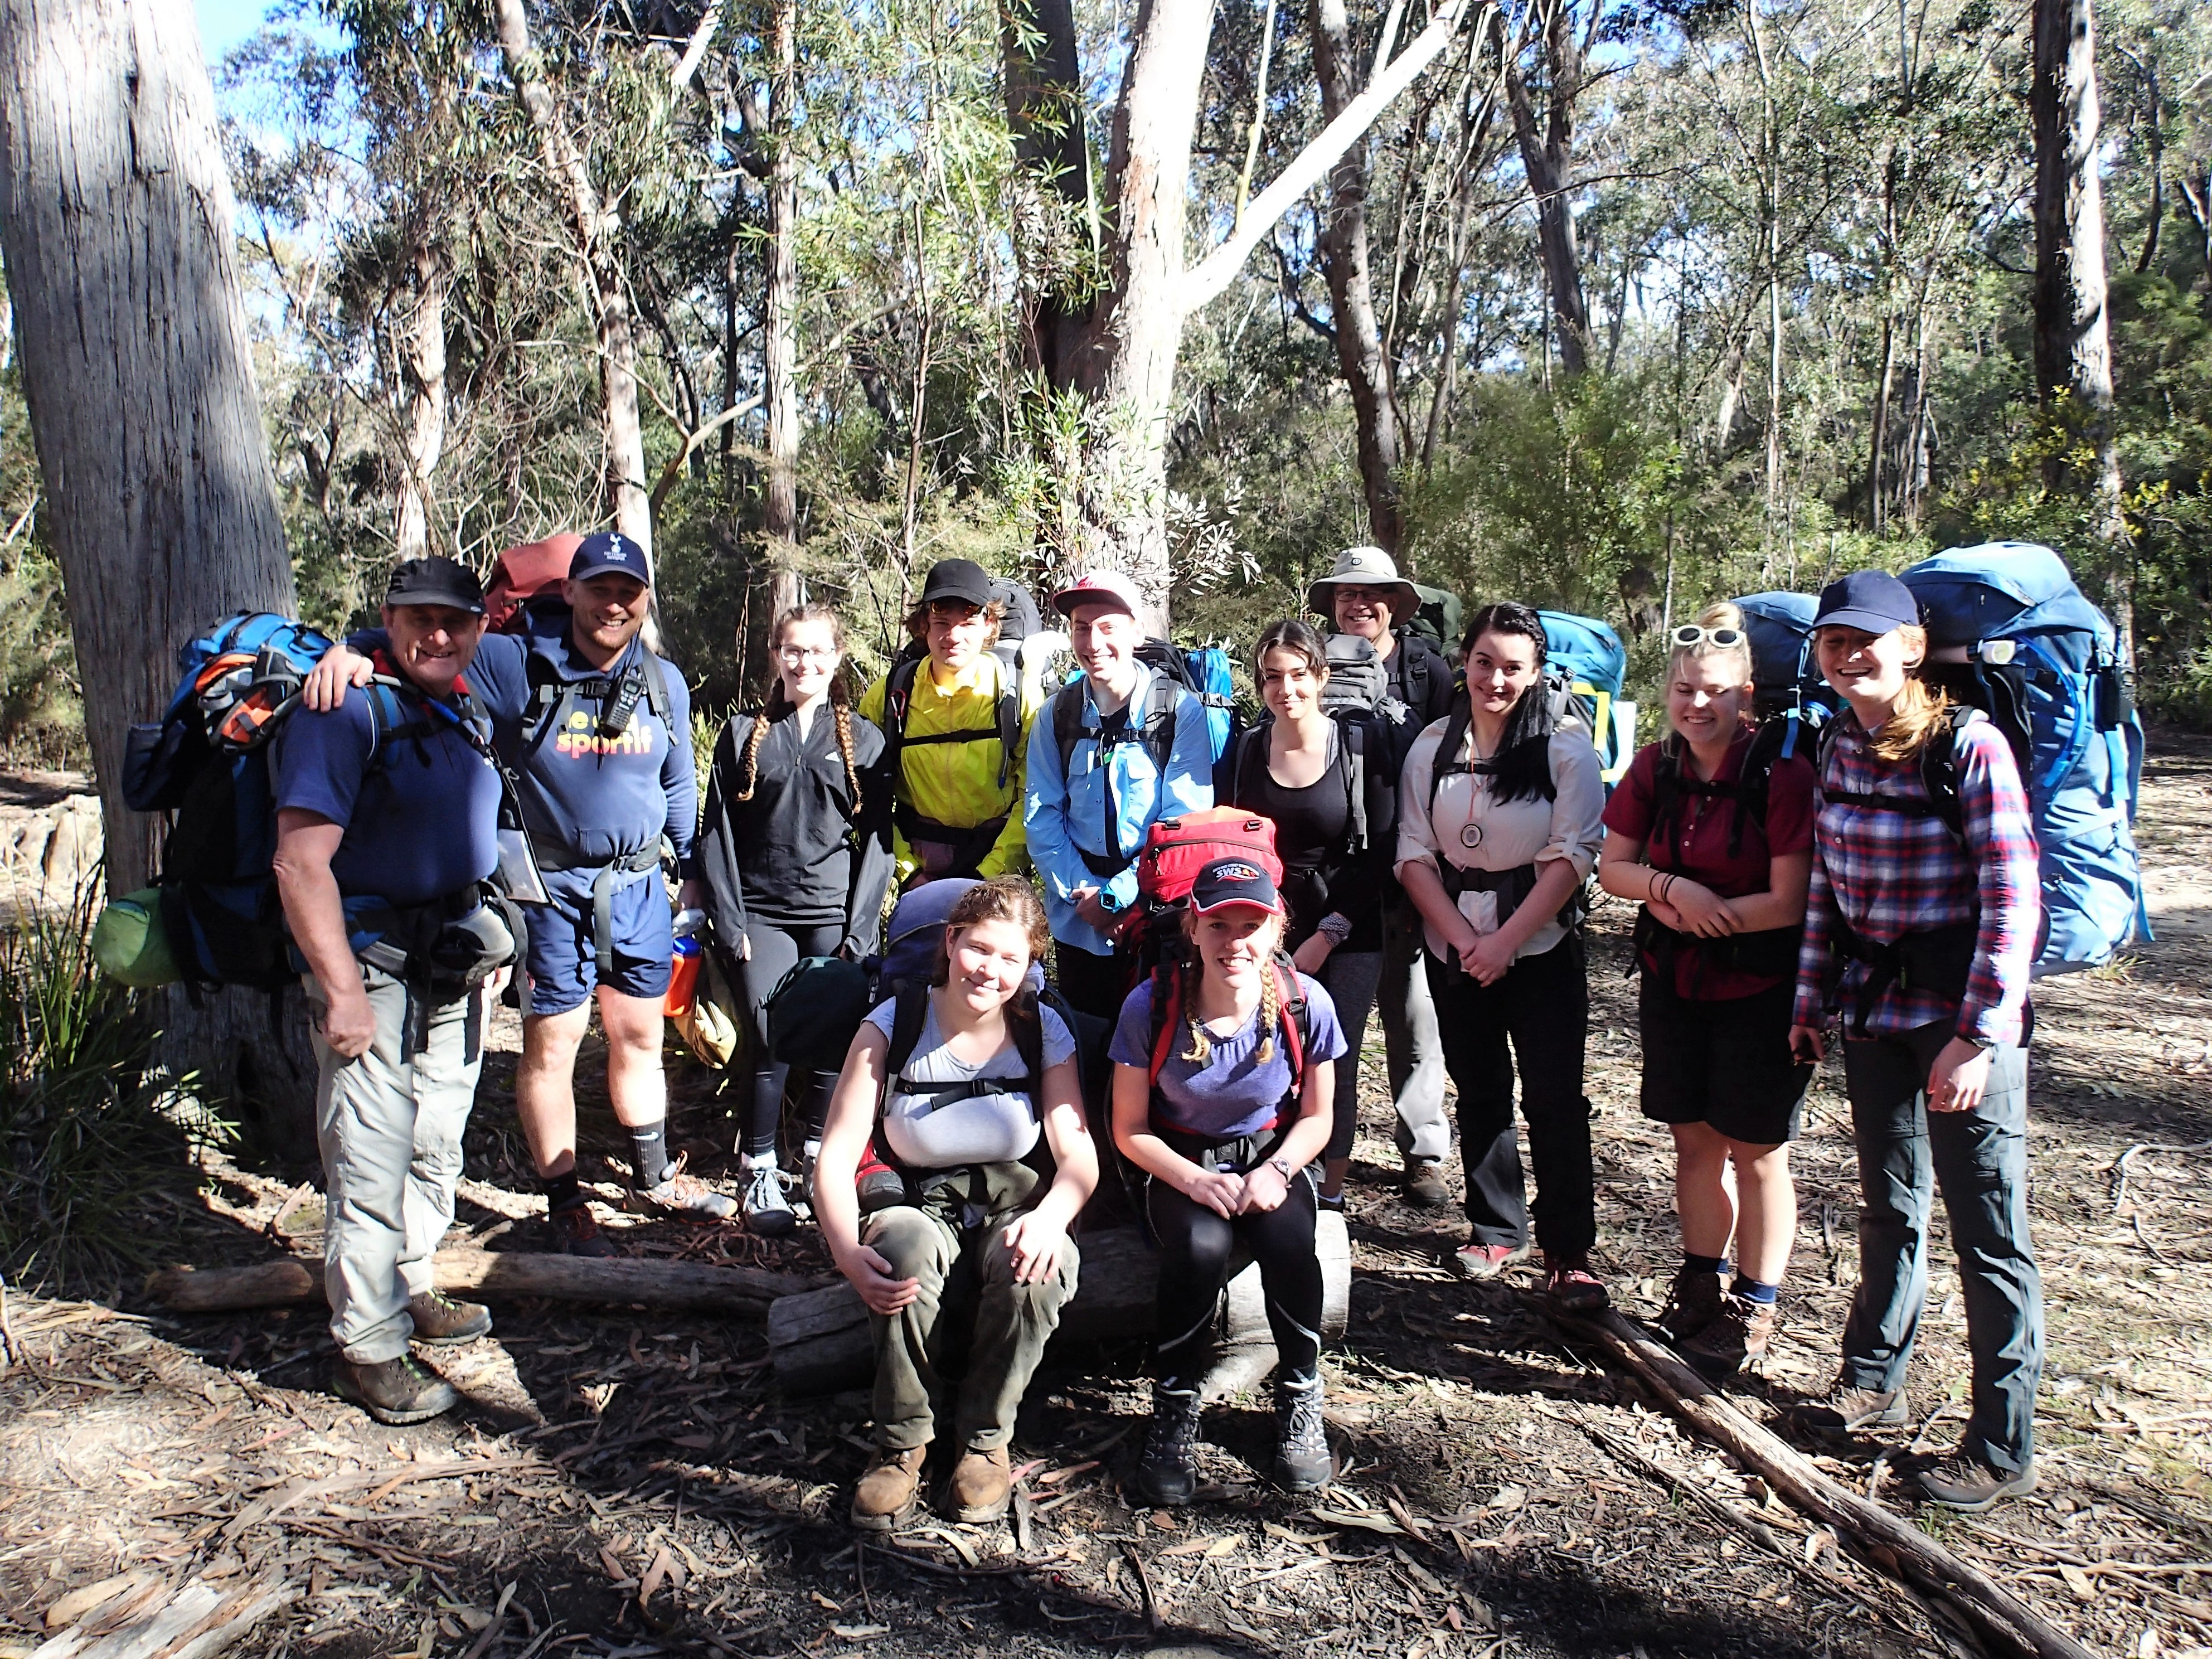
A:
<point x="609" y="552"/>
<point x="1234" y="881"/>
<point x="1871" y="600"/>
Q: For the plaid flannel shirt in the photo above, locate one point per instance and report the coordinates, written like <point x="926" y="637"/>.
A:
<point x="1890" y="874"/>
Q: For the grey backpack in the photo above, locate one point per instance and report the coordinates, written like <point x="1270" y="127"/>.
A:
<point x="1358" y="680"/>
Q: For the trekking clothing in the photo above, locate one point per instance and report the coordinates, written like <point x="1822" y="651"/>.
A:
<point x="777" y="948"/>
<point x="942" y="1120"/>
<point x="1302" y="1461"/>
<point x="1167" y="1468"/>
<point x="1696" y="843"/>
<point x="1722" y="1061"/>
<point x="796" y="855"/>
<point x="1317" y="827"/>
<point x="439" y="1320"/>
<point x="1420" y="679"/>
<point x="1086" y="823"/>
<point x="389" y="1124"/>
<point x="889" y="1490"/>
<point x="399" y="1390"/>
<point x="948" y="802"/>
<point x="1886" y="878"/>
<point x="1487" y="850"/>
<point x="1541" y="1009"/>
<point x="421" y="813"/>
<point x="565" y="950"/>
<point x="1233" y="1094"/>
<point x="1979" y="1161"/>
<point x="1197" y="1249"/>
<point x="1350" y="977"/>
<point x="1413" y="1051"/>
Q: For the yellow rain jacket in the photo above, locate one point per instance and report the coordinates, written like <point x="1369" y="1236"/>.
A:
<point x="951" y="786"/>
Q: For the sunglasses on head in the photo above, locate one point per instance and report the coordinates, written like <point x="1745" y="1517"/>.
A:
<point x="1690" y="634"/>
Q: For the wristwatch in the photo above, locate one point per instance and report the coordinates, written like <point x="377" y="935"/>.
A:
<point x="1281" y="1166"/>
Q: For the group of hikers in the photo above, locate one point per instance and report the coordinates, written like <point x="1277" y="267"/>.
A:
<point x="1431" y="865"/>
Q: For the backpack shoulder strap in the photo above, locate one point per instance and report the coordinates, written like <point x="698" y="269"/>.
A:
<point x="1067" y="723"/>
<point x="1447" y="756"/>
<point x="1251" y="751"/>
<point x="1010" y="717"/>
<point x="1297" y="1017"/>
<point x="909" y="1011"/>
<point x="1939" y="769"/>
<point x="1159" y="733"/>
<point x="898" y="698"/>
<point x="1351" y="737"/>
<point x="1167" y="1015"/>
<point x="1027" y="1026"/>
<point x="656" y="684"/>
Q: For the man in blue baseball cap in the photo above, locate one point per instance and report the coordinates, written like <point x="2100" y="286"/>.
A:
<point x="597" y="727"/>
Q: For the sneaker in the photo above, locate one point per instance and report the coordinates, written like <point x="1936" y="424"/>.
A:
<point x="890" y="1491"/>
<point x="982" y="1486"/>
<point x="768" y="1211"/>
<point x="1572" y="1287"/>
<point x="440" y="1320"/>
<point x="1734" y="1338"/>
<point x="1852" y="1411"/>
<point x="1959" y="1480"/>
<point x="1301" y="1459"/>
<point x="395" y="1391"/>
<point x="1424" y="1183"/>
<point x="1488" y="1261"/>
<point x="573" y="1232"/>
<point x="1693" y="1301"/>
<point x="679" y="1194"/>
<point x="1167" y="1473"/>
<point x="1330" y="1201"/>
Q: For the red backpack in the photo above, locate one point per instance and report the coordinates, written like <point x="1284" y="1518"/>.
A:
<point x="524" y="573"/>
<point x="1175" y="850"/>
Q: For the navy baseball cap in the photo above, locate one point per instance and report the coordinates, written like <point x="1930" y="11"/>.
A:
<point x="1234" y="881"/>
<point x="609" y="552"/>
<point x="435" y="581"/>
<point x="1871" y="600"/>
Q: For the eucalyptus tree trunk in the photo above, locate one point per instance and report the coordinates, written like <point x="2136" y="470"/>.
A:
<point x="1546" y="154"/>
<point x="596" y="228"/>
<point x="115" y="226"/>
<point x="423" y="356"/>
<point x="1044" y="109"/>
<point x="780" y="309"/>
<point x="1359" y="350"/>
<point x="2073" y="348"/>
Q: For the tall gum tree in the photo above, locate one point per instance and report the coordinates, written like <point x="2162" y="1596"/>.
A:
<point x="116" y="224"/>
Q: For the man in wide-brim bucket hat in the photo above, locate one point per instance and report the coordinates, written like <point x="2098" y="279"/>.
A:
<point x="1365" y="566"/>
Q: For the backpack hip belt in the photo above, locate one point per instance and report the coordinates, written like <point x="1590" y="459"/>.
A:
<point x="440" y="951"/>
<point x="1239" y="1154"/>
<point x="1768" y="953"/>
<point x="970" y="843"/>
<point x="1940" y="960"/>
<point x="606" y="881"/>
<point x="1103" y="866"/>
<point x="1512" y="886"/>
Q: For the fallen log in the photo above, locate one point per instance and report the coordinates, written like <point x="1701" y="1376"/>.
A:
<point x="693" y="1286"/>
<point x="821" y="1343"/>
<point x="1878" y="1537"/>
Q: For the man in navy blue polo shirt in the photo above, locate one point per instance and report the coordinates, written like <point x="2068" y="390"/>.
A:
<point x="598" y="730"/>
<point x="387" y="819"/>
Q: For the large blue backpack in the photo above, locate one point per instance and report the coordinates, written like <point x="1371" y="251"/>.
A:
<point x="1586" y="663"/>
<point x="1785" y="682"/>
<point x="2010" y="635"/>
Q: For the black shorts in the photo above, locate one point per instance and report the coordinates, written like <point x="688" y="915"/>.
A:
<point x="1725" y="1064"/>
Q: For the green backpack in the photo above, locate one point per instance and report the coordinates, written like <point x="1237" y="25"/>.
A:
<point x="1439" y="619"/>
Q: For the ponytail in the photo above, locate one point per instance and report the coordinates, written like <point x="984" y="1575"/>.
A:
<point x="1921" y="709"/>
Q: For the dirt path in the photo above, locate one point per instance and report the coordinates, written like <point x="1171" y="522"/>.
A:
<point x="639" y="1487"/>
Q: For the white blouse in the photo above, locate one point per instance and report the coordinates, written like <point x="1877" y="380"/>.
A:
<point x="1505" y="834"/>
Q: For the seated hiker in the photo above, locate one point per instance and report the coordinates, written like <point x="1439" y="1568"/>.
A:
<point x="387" y="821"/>
<point x="1222" y="1097"/>
<point x="596" y="728"/>
<point x="937" y="1202"/>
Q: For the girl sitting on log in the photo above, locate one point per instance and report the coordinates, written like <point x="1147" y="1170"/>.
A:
<point x="1712" y="828"/>
<point x="936" y="1203"/>
<point x="795" y="846"/>
<point x="1222" y="1097"/>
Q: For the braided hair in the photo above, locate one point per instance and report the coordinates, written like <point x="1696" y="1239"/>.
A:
<point x="841" y="700"/>
<point x="1522" y="762"/>
<point x="1271" y="1000"/>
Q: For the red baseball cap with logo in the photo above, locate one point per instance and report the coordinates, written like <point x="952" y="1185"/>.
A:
<point x="1234" y="881"/>
<point x="1108" y="587"/>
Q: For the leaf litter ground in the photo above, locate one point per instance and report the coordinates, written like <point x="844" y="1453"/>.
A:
<point x="623" y="1482"/>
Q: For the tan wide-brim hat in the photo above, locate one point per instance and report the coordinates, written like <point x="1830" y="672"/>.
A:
<point x="1365" y="567"/>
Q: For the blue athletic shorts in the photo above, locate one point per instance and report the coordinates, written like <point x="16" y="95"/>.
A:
<point x="564" y="958"/>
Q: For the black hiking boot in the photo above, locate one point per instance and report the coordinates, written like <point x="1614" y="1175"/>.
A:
<point x="573" y="1232"/>
<point x="1693" y="1301"/>
<point x="1301" y="1459"/>
<point x="1167" y="1474"/>
<point x="395" y="1391"/>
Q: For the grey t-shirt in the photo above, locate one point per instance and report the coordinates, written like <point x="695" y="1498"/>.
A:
<point x="985" y="1126"/>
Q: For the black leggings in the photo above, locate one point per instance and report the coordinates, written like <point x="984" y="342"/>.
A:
<point x="777" y="948"/>
<point x="1196" y="1250"/>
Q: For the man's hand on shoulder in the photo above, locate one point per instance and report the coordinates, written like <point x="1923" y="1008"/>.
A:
<point x="326" y="686"/>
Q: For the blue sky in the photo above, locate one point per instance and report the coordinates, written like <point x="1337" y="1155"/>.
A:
<point x="224" y="23"/>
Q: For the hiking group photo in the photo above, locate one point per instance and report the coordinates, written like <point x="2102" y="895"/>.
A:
<point x="1179" y="828"/>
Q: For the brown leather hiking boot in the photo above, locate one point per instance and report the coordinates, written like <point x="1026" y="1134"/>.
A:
<point x="573" y="1232"/>
<point x="890" y="1489"/>
<point x="395" y="1391"/>
<point x="982" y="1486"/>
<point x="1959" y="1480"/>
<point x="439" y="1319"/>
<point x="1734" y="1338"/>
<point x="1693" y="1301"/>
<point x="1848" y="1411"/>
<point x="1424" y="1183"/>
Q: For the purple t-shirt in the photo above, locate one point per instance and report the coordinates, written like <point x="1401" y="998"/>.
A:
<point x="1232" y="1094"/>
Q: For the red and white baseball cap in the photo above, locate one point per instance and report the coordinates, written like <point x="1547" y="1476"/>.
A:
<point x="1099" y="587"/>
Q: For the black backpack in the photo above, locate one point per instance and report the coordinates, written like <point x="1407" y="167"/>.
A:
<point x="1777" y="738"/>
<point x="1360" y="734"/>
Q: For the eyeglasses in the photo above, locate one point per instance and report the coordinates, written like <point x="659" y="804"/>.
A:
<point x="1690" y="635"/>
<point x="808" y="654"/>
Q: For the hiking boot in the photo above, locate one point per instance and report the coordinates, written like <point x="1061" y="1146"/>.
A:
<point x="395" y="1391"/>
<point x="1693" y="1301"/>
<point x="1739" y="1335"/>
<point x="768" y="1211"/>
<point x="681" y="1194"/>
<point x="1301" y="1459"/>
<point x="573" y="1232"/>
<point x="1851" y="1410"/>
<point x="1959" y="1480"/>
<point x="1167" y="1474"/>
<point x="982" y="1486"/>
<point x="1488" y="1261"/>
<point x="1424" y="1183"/>
<point x="890" y="1491"/>
<point x="439" y="1319"/>
<point x="1571" y="1285"/>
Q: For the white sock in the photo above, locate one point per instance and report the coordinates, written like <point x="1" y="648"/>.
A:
<point x="751" y="1161"/>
